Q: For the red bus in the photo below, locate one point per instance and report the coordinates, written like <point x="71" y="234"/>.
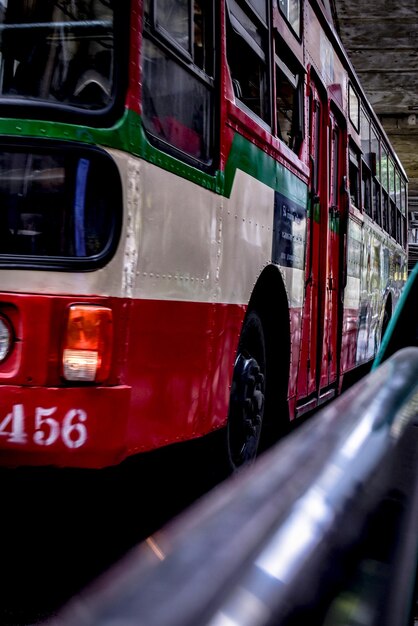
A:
<point x="204" y="225"/>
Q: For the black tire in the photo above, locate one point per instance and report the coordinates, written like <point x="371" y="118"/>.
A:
<point x="247" y="399"/>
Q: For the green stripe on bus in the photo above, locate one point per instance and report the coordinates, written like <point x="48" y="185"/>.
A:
<point x="128" y="135"/>
<point x="250" y="159"/>
<point x="117" y="136"/>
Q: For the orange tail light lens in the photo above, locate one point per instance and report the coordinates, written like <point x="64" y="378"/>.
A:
<point x="87" y="349"/>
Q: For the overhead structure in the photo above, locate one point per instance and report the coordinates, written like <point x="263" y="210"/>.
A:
<point x="381" y="39"/>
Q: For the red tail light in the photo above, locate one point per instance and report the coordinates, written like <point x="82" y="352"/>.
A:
<point x="87" y="348"/>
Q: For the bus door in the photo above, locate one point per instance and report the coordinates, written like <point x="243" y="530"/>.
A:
<point x="321" y="317"/>
<point x="332" y="308"/>
<point x="310" y="356"/>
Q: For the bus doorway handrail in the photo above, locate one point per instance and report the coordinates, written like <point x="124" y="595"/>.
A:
<point x="321" y="530"/>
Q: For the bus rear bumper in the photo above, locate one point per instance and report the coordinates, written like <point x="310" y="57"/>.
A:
<point x="83" y="427"/>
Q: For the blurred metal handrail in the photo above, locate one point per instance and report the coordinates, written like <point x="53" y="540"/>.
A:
<point x="277" y="543"/>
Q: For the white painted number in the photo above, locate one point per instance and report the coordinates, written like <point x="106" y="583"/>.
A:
<point x="48" y="430"/>
<point x="74" y="434"/>
<point x="16" y="421"/>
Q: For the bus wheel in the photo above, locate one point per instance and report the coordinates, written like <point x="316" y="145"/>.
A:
<point x="246" y="408"/>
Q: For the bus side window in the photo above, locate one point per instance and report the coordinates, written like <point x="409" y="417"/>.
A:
<point x="354" y="173"/>
<point x="289" y="103"/>
<point x="177" y="72"/>
<point x="247" y="53"/>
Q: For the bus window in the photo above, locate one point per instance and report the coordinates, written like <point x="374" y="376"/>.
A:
<point x="56" y="54"/>
<point x="398" y="190"/>
<point x="57" y="202"/>
<point x="385" y="211"/>
<point x="399" y="228"/>
<point x="366" y="188"/>
<point x="376" y="202"/>
<point x="177" y="96"/>
<point x="247" y="52"/>
<point x="404" y="198"/>
<point x="392" y="180"/>
<point x="174" y="18"/>
<point x="384" y="169"/>
<point x="365" y="135"/>
<point x="354" y="107"/>
<point x="354" y="173"/>
<point x="289" y="105"/>
<point x="290" y="9"/>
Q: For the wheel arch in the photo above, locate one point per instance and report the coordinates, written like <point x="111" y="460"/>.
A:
<point x="270" y="299"/>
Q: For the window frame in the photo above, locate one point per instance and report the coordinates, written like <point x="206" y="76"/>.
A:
<point x="168" y="46"/>
<point x="295" y="76"/>
<point x="264" y="56"/>
<point x="57" y="262"/>
<point x="297" y="34"/>
<point x="353" y="99"/>
<point x="26" y="108"/>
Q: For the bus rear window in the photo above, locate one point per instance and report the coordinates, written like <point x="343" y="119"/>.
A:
<point x="58" y="52"/>
<point x="58" y="206"/>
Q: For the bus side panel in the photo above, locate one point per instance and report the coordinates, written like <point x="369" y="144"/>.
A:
<point x="180" y="360"/>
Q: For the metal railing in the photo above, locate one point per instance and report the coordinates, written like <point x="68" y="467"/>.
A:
<point x="321" y="530"/>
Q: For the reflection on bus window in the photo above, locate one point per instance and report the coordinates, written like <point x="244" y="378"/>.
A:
<point x="173" y="16"/>
<point x="366" y="188"/>
<point x="291" y="11"/>
<point x="177" y="89"/>
<point x="58" y="204"/>
<point x="176" y="106"/>
<point x="288" y="106"/>
<point x="58" y="52"/>
<point x="354" y="173"/>
<point x="247" y="53"/>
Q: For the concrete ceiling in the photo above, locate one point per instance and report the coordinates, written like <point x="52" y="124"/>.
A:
<point x="381" y="39"/>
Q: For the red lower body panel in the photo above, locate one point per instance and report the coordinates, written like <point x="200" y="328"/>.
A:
<point x="73" y="427"/>
<point x="170" y="380"/>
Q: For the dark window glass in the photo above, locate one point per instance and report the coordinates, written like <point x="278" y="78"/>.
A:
<point x="366" y="188"/>
<point x="203" y="43"/>
<point x="58" y="203"/>
<point x="392" y="180"/>
<point x="385" y="211"/>
<point x="289" y="109"/>
<point x="247" y="52"/>
<point x="175" y="19"/>
<point x="250" y="25"/>
<point x="376" y="202"/>
<point x="177" y="89"/>
<point x="176" y="105"/>
<point x="398" y="190"/>
<point x="291" y="11"/>
<point x="260" y="7"/>
<point x="400" y="228"/>
<point x="375" y="148"/>
<point x="354" y="174"/>
<point x="384" y="167"/>
<point x="393" y="219"/>
<point x="58" y="52"/>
